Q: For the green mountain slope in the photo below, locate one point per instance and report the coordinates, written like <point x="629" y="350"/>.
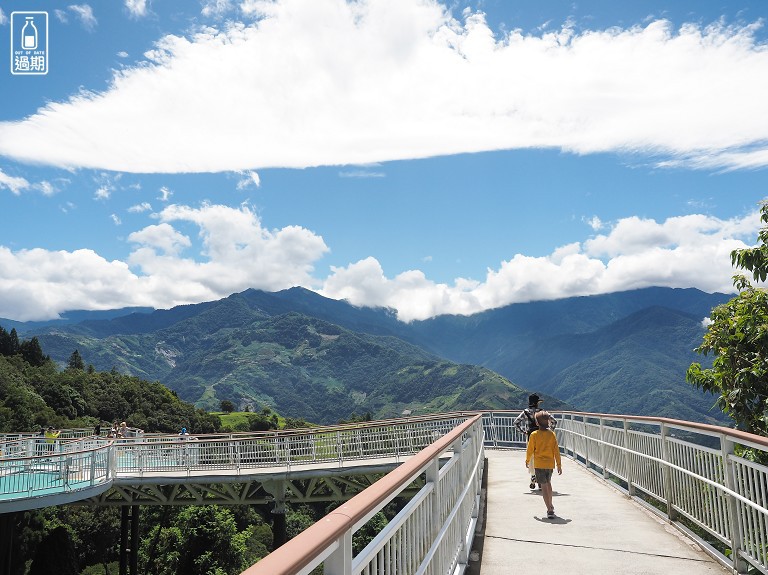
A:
<point x="634" y="366"/>
<point x="299" y="365"/>
<point x="238" y="349"/>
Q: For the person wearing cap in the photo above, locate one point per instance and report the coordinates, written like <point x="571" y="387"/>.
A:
<point x="526" y="423"/>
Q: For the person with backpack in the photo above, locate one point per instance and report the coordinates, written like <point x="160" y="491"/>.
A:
<point x="526" y="423"/>
<point x="544" y="452"/>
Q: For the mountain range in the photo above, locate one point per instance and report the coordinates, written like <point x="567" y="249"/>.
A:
<point x="321" y="359"/>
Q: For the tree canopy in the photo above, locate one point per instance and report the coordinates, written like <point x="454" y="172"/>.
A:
<point x="737" y="337"/>
<point x="34" y="392"/>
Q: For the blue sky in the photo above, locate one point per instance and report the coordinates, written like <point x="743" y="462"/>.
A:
<point x="430" y="157"/>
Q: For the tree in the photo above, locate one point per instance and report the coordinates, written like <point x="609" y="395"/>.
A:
<point x="227" y="406"/>
<point x="55" y="554"/>
<point x="76" y="361"/>
<point x="209" y="541"/>
<point x="738" y="339"/>
<point x="32" y="352"/>
<point x="5" y="342"/>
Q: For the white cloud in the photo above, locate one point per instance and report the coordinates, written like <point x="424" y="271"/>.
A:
<point x="103" y="193"/>
<point x="13" y="183"/>
<point x="46" y="188"/>
<point x="3" y="18"/>
<point x="163" y="237"/>
<point x="165" y="194"/>
<point x="122" y="54"/>
<point x="136" y="8"/>
<point x="61" y="15"/>
<point x="139" y="208"/>
<point x="115" y="219"/>
<point x="165" y="268"/>
<point x="216" y="8"/>
<point x="361" y="174"/>
<point x="238" y="253"/>
<point x="383" y="80"/>
<point x="594" y="222"/>
<point x="249" y="178"/>
<point x="85" y="13"/>
<point x="635" y="253"/>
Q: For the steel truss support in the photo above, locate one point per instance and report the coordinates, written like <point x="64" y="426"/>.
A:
<point x="253" y="492"/>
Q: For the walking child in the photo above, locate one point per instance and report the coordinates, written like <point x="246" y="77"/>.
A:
<point x="526" y="423"/>
<point x="543" y="448"/>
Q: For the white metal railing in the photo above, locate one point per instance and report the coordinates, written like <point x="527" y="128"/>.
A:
<point x="31" y="466"/>
<point x="243" y="452"/>
<point x="694" y="474"/>
<point x="432" y="534"/>
<point x="58" y="471"/>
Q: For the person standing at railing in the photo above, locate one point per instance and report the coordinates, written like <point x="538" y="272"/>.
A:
<point x="51" y="435"/>
<point x="526" y="423"/>
<point x="545" y="452"/>
<point x="182" y="450"/>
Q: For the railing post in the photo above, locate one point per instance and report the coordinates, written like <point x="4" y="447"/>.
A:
<point x="458" y="448"/>
<point x="726" y="451"/>
<point x="359" y="438"/>
<point x="433" y="476"/>
<point x="288" y="452"/>
<point x="628" y="460"/>
<point x="587" y="441"/>
<point x="667" y="474"/>
<point x="397" y="443"/>
<point x="601" y="449"/>
<point x="492" y="429"/>
<point x="339" y="449"/>
<point x="340" y="561"/>
<point x="567" y="439"/>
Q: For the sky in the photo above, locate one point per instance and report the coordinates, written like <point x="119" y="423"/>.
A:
<point x="430" y="157"/>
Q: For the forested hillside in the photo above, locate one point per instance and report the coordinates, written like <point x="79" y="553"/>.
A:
<point x="35" y="392"/>
<point x="635" y="366"/>
<point x="299" y="365"/>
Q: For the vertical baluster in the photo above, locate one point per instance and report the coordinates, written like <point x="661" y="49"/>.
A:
<point x="761" y="499"/>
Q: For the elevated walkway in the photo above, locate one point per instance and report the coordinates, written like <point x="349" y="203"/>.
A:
<point x="597" y="529"/>
<point x="702" y="478"/>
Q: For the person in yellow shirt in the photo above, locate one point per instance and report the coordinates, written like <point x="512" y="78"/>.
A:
<point x="543" y="448"/>
<point x="51" y="435"/>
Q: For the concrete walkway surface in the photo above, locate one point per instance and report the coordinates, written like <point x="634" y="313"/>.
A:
<point x="597" y="528"/>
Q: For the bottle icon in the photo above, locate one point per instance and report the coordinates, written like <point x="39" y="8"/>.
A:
<point x="29" y="35"/>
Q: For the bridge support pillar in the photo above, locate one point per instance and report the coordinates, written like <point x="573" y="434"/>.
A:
<point x="7" y="537"/>
<point x="129" y="540"/>
<point x="277" y="490"/>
